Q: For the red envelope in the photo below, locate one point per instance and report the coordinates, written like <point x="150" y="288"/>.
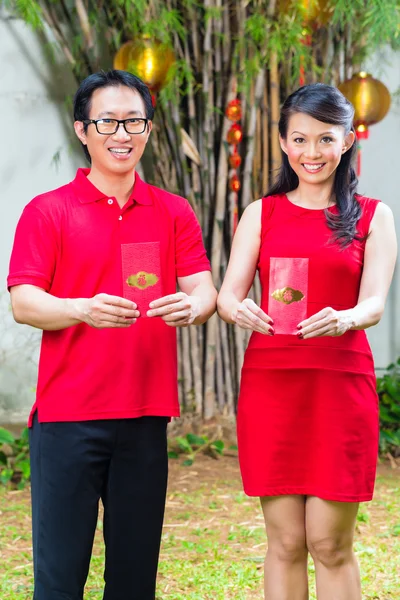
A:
<point x="141" y="274"/>
<point x="288" y="293"/>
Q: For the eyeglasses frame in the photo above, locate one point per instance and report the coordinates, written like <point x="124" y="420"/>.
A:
<point x="119" y="121"/>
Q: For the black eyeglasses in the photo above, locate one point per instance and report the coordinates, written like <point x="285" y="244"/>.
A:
<point x="110" y="126"/>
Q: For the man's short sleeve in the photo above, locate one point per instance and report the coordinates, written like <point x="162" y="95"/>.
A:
<point x="190" y="254"/>
<point x="34" y="252"/>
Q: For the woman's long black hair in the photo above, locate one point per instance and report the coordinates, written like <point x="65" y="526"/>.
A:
<point x="327" y="104"/>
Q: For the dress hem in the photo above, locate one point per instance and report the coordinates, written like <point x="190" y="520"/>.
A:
<point x="307" y="492"/>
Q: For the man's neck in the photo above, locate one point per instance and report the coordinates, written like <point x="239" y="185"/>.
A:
<point x="117" y="186"/>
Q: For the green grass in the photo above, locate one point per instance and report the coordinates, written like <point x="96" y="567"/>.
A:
<point x="213" y="542"/>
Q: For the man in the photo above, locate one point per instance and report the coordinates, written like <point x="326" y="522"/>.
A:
<point x="95" y="265"/>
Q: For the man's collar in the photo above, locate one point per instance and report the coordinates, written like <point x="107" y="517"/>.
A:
<point x="87" y="192"/>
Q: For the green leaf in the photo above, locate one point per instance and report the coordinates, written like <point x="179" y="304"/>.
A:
<point x="3" y="458"/>
<point x="6" y="475"/>
<point x="385" y="415"/>
<point x="218" y="445"/>
<point x="6" y="437"/>
<point x="393" y="387"/>
<point x="195" y="440"/>
<point x="25" y="468"/>
<point x="393" y="437"/>
<point x="188" y="462"/>
<point x="172" y="454"/>
<point x="184" y="444"/>
<point x="396" y="529"/>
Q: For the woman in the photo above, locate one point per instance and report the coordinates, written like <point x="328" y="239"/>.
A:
<point x="308" y="408"/>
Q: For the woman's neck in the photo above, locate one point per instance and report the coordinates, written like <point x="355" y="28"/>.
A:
<point x="313" y="195"/>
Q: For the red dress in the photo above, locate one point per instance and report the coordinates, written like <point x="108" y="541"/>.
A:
<point x="308" y="418"/>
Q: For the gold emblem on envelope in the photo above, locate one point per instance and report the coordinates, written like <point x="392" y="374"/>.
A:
<point x="142" y="280"/>
<point x="287" y="295"/>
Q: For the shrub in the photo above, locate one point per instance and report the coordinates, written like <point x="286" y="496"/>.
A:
<point x="14" y="458"/>
<point x="388" y="387"/>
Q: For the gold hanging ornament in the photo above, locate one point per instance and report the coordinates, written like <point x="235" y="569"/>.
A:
<point x="315" y="13"/>
<point x="370" y="98"/>
<point x="371" y="101"/>
<point x="148" y="59"/>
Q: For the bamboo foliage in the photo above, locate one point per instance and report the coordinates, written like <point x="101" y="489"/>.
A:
<point x="249" y="49"/>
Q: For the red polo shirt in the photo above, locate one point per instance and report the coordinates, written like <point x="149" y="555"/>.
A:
<point x="71" y="242"/>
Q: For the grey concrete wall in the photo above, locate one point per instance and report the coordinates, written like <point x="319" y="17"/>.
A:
<point x="380" y="171"/>
<point x="37" y="154"/>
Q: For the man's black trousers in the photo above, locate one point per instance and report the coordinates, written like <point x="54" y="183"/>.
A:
<point x="124" y="462"/>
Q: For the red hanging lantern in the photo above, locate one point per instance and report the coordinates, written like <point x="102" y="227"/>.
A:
<point x="235" y="160"/>
<point x="234" y="110"/>
<point x="234" y="183"/>
<point x="235" y="134"/>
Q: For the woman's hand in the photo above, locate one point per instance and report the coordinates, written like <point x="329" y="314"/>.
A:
<point x="327" y="322"/>
<point x="250" y="316"/>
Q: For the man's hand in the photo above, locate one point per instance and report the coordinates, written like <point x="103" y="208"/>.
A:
<point x="176" y="310"/>
<point x="104" y="311"/>
<point x="327" y="322"/>
<point x="250" y="316"/>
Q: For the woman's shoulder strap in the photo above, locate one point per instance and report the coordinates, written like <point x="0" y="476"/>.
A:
<point x="368" y="207"/>
<point x="268" y="205"/>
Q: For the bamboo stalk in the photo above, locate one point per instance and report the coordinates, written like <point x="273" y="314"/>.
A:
<point x="337" y="47"/>
<point x="218" y="57"/>
<point x="258" y="93"/>
<point x="196" y="365"/>
<point x="230" y="406"/>
<point x="195" y="175"/>
<point x="209" y="395"/>
<point x="84" y="23"/>
<point x="239" y="339"/>
<point x="58" y="36"/>
<point x="233" y="209"/>
<point x="257" y="289"/>
<point x="227" y="44"/>
<point x="210" y="105"/>
<point x="206" y="123"/>
<point x="327" y="54"/>
<point x="274" y="105"/>
<point x="186" y="367"/>
<point x="220" y="205"/>
<point x="257" y="159"/>
<point x="195" y="37"/>
<point x="173" y="147"/>
<point x="181" y="395"/>
<point x="181" y="156"/>
<point x="219" y="370"/>
<point x="265" y="144"/>
<point x="348" y="57"/>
